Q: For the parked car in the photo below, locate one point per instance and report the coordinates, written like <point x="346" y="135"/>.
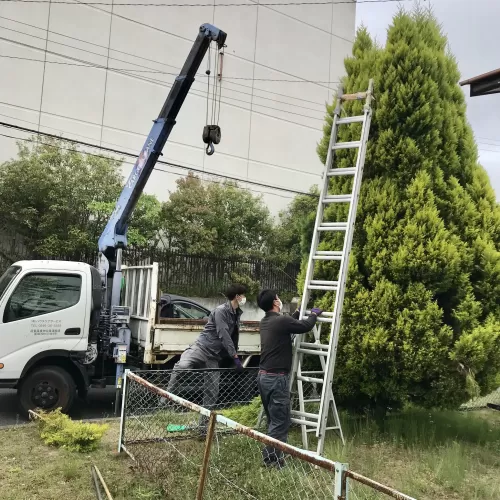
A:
<point x="178" y="307"/>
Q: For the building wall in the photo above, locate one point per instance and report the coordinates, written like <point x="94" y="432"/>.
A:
<point x="100" y="74"/>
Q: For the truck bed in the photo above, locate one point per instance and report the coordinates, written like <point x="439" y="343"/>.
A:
<point x="163" y="339"/>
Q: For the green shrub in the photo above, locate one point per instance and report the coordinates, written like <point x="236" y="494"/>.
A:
<point x="245" y="414"/>
<point x="57" y="429"/>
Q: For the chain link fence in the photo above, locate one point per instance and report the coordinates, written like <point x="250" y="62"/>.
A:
<point x="489" y="401"/>
<point x="194" y="452"/>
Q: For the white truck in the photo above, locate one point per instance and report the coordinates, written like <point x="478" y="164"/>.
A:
<point x="67" y="325"/>
<point x="53" y="343"/>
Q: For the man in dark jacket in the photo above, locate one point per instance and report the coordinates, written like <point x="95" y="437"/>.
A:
<point x="276" y="355"/>
<point x="218" y="340"/>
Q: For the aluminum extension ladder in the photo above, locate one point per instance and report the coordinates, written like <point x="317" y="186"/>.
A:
<point x="317" y="422"/>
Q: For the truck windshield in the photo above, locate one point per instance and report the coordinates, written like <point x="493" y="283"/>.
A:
<point x="7" y="277"/>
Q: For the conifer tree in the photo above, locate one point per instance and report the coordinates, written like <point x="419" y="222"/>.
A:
<point x="421" y="319"/>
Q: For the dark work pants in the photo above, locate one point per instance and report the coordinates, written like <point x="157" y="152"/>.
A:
<point x="195" y="357"/>
<point x="275" y="394"/>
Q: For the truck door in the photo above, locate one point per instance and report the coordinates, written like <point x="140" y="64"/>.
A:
<point x="44" y="311"/>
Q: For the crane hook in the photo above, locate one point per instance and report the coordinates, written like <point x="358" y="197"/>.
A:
<point x="210" y="149"/>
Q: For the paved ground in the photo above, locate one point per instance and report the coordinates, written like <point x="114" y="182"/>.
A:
<point x="100" y="404"/>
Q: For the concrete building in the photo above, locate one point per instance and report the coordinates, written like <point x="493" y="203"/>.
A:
<point x="100" y="73"/>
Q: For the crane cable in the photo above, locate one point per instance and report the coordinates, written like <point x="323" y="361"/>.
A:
<point x="211" y="130"/>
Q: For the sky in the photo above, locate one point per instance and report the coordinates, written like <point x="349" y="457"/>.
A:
<point x="474" y="38"/>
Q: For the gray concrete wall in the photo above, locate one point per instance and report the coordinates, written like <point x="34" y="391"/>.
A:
<point x="76" y="70"/>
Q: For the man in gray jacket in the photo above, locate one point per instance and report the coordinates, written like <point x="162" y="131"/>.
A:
<point x="218" y="340"/>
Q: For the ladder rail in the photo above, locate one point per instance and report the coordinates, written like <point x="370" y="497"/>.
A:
<point x="315" y="238"/>
<point x="327" y="353"/>
<point x="344" y="265"/>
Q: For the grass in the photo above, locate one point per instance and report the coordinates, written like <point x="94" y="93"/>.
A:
<point x="30" y="470"/>
<point x="429" y="455"/>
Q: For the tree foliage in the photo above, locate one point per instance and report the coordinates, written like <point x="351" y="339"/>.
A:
<point x="58" y="199"/>
<point x="293" y="233"/>
<point x="216" y="219"/>
<point x="422" y="306"/>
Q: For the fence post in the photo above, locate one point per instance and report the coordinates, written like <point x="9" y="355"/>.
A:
<point x="122" y="417"/>
<point x="340" y="491"/>
<point x="206" y="456"/>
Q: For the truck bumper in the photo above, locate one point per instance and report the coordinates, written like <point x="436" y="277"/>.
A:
<point x="8" y="383"/>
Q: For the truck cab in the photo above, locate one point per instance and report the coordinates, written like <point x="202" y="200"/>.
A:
<point x="47" y="310"/>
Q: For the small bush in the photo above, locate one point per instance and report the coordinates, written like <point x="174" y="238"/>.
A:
<point x="57" y="429"/>
<point x="245" y="414"/>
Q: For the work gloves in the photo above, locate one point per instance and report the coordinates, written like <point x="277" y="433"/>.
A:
<point x="237" y="365"/>
<point x="316" y="311"/>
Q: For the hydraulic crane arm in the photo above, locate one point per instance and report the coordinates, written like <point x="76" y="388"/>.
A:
<point x="114" y="235"/>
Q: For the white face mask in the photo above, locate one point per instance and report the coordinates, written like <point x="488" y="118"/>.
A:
<point x="242" y="301"/>
<point x="280" y="304"/>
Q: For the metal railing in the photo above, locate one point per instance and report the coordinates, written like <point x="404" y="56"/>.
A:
<point x="195" y="452"/>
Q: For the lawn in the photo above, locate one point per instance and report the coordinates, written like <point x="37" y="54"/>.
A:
<point x="29" y="470"/>
<point x="430" y="455"/>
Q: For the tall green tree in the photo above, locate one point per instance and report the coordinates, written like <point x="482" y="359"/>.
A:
<point x="421" y="318"/>
<point x="58" y="200"/>
<point x="216" y="219"/>
<point x="293" y="232"/>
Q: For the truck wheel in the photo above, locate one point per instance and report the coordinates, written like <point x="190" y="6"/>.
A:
<point x="47" y="388"/>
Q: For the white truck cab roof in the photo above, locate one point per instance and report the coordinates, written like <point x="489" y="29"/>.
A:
<point x="58" y="265"/>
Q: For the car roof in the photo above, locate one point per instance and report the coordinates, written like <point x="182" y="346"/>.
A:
<point x="170" y="297"/>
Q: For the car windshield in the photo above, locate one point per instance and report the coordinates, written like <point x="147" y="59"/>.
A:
<point x="7" y="277"/>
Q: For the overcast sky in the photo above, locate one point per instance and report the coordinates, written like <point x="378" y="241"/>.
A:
<point x="473" y="31"/>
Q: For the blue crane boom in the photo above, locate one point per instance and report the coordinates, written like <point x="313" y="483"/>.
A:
<point x="114" y="236"/>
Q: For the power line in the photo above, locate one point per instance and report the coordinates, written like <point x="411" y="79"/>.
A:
<point x="91" y="65"/>
<point x="490" y="150"/>
<point x="154" y="28"/>
<point x="228" y="54"/>
<point x="125" y="153"/>
<point x="166" y="85"/>
<point x="143" y="58"/>
<point x="488" y="139"/>
<point x="262" y="4"/>
<point x="156" y="168"/>
<point x="147" y="70"/>
<point x="126" y="131"/>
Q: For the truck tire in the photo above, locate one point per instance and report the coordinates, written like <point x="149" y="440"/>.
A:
<point x="47" y="388"/>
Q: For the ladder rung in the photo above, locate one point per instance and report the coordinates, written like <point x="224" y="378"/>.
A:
<point x="341" y="171"/>
<point x="350" y="119"/>
<point x="314" y="353"/>
<point x="324" y="282"/>
<point x="325" y="313"/>
<point x="338" y="198"/>
<point x="311" y="345"/>
<point x="347" y="145"/>
<point x="313" y="372"/>
<point x="311" y="380"/>
<point x="325" y="320"/>
<point x="314" y="416"/>
<point x="304" y="422"/>
<point x="316" y="400"/>
<point x="328" y="255"/>
<point x="358" y="96"/>
<point x="333" y="226"/>
<point x="322" y="287"/>
<point x="336" y="428"/>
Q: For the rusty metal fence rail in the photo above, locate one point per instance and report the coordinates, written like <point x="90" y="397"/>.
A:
<point x="195" y="452"/>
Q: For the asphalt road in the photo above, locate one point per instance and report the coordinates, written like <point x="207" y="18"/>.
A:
<point x="100" y="404"/>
